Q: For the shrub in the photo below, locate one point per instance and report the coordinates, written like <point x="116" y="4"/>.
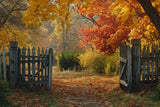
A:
<point x="3" y="91"/>
<point x="68" y="60"/>
<point x="99" y="63"/>
<point x="112" y="64"/>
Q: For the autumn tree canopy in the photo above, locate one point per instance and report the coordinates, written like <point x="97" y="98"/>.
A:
<point x="115" y="20"/>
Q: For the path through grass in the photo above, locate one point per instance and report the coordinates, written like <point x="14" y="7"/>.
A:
<point x="77" y="89"/>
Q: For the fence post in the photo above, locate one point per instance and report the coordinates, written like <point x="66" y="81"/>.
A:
<point x="13" y="60"/>
<point x="50" y="68"/>
<point x="136" y="64"/>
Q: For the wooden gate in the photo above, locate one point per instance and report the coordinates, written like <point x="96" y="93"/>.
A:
<point x="130" y="65"/>
<point x="33" y="68"/>
<point x="25" y="68"/>
<point x="125" y="66"/>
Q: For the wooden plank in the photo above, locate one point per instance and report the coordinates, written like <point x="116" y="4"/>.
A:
<point x="34" y="75"/>
<point x="136" y="53"/>
<point x="14" y="79"/>
<point x="33" y="82"/>
<point x="42" y="66"/>
<point x="33" y="56"/>
<point x="152" y="73"/>
<point x="33" y="65"/>
<point x="129" y="68"/>
<point x="18" y="66"/>
<point x="123" y="83"/>
<point x="29" y="66"/>
<point x="4" y="65"/>
<point x="31" y="61"/>
<point x="46" y="66"/>
<point x="122" y="70"/>
<point x="50" y="68"/>
<point x="38" y="65"/>
<point x="138" y="57"/>
<point x="150" y="58"/>
<point x="157" y="66"/>
<point x="23" y="64"/>
<point x="123" y="54"/>
<point x="143" y="72"/>
<point x="148" y="68"/>
<point x="123" y="59"/>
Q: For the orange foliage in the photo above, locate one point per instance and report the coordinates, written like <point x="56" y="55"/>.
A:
<point x="117" y="21"/>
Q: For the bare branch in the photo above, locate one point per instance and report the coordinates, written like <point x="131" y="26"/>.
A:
<point x="9" y="10"/>
<point x="92" y="20"/>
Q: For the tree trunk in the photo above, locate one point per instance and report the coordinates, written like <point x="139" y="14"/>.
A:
<point x="151" y="12"/>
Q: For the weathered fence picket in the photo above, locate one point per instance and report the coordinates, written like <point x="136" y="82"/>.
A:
<point x="23" y="64"/>
<point x="147" y="58"/>
<point x="144" y="65"/>
<point x="42" y="63"/>
<point x="152" y="72"/>
<point x="4" y="65"/>
<point x="18" y="65"/>
<point x="50" y="68"/>
<point x="33" y="65"/>
<point x="13" y="60"/>
<point x="38" y="66"/>
<point x="157" y="60"/>
<point x="46" y="67"/>
<point x="29" y="68"/>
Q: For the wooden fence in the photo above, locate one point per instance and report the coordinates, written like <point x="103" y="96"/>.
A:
<point x="28" y="67"/>
<point x="142" y="67"/>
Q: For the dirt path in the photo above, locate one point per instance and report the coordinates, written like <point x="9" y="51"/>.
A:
<point x="77" y="90"/>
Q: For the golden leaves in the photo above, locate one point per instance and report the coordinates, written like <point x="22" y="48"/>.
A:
<point x="43" y="10"/>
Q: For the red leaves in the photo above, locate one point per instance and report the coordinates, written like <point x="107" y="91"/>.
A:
<point x="90" y="84"/>
<point x="85" y="87"/>
<point x="107" y="33"/>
